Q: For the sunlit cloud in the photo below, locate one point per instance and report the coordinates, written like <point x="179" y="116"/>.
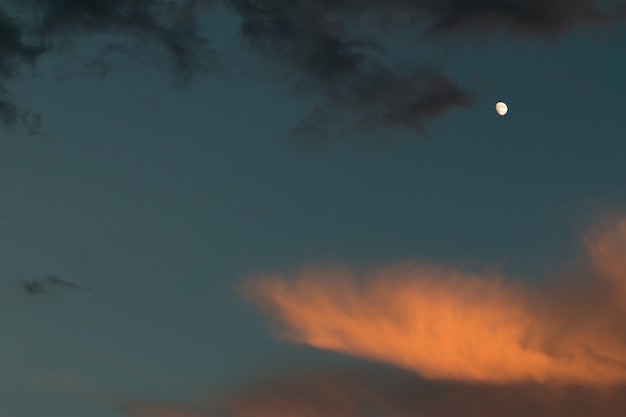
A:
<point x="445" y="323"/>
<point x="608" y="252"/>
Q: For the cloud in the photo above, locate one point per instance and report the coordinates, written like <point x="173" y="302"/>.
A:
<point x="358" y="394"/>
<point x="447" y="324"/>
<point x="171" y="24"/>
<point x="333" y="48"/>
<point x="32" y="287"/>
<point x="387" y="392"/>
<point x="446" y="343"/>
<point x="53" y="280"/>
<point x="32" y="28"/>
<point x="534" y="17"/>
<point x="36" y="287"/>
<point x="607" y="248"/>
<point x="311" y="39"/>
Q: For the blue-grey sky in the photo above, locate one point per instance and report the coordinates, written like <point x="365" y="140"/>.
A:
<point x="254" y="208"/>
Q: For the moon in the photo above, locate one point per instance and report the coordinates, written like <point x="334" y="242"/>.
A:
<point x="501" y="108"/>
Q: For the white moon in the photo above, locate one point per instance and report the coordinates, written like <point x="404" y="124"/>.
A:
<point x="501" y="108"/>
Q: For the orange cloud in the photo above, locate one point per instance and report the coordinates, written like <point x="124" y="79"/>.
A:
<point x="444" y="323"/>
<point x="607" y="249"/>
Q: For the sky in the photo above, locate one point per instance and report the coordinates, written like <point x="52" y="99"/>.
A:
<point x="271" y="208"/>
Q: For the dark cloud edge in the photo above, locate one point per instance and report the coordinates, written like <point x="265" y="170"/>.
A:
<point x="375" y="390"/>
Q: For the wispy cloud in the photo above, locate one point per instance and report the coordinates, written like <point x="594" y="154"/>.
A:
<point x="335" y="49"/>
<point x="155" y="409"/>
<point x="54" y="280"/>
<point x="445" y="323"/>
<point x="32" y="287"/>
<point x="36" y="287"/>
<point x="31" y="28"/>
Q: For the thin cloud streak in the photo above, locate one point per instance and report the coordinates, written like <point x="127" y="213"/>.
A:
<point x="358" y="394"/>
<point x="444" y="323"/>
<point x="389" y="392"/>
<point x="36" y="287"/>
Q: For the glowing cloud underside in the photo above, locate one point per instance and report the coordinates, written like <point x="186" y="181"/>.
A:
<point x="443" y="323"/>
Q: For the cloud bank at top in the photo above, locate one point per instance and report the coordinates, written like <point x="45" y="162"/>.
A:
<point x="333" y="48"/>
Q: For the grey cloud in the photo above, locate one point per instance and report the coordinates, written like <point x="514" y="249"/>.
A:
<point x="316" y="40"/>
<point x="537" y="17"/>
<point x="325" y="44"/>
<point x="32" y="28"/>
<point x="53" y="280"/>
<point x="33" y="287"/>
<point x="306" y="37"/>
<point x="36" y="286"/>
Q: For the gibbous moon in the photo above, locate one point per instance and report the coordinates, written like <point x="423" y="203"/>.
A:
<point x="501" y="108"/>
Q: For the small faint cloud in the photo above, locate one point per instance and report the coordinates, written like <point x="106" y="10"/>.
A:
<point x="37" y="286"/>
<point x="33" y="287"/>
<point x="52" y="279"/>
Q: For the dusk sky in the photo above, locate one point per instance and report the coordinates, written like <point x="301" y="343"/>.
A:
<point x="299" y="208"/>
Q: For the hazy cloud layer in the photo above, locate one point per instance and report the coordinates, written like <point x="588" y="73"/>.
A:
<point x="445" y="323"/>
<point x="392" y="394"/>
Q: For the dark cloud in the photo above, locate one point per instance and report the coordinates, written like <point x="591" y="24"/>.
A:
<point x="311" y="38"/>
<point x="535" y="17"/>
<point x="173" y="25"/>
<point x="53" y="280"/>
<point x="32" y="28"/>
<point x="317" y="40"/>
<point x="332" y="48"/>
<point x="32" y="287"/>
<point x="35" y="286"/>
